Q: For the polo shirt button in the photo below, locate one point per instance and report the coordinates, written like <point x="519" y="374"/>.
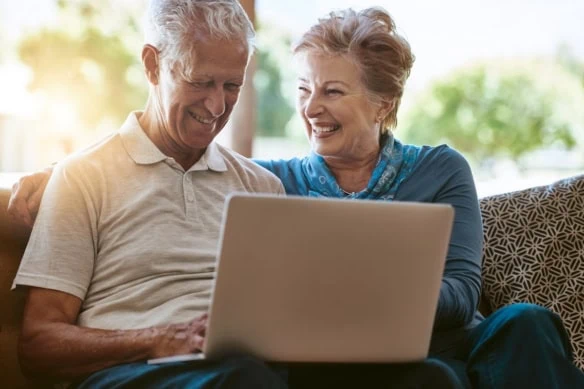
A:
<point x="190" y="199"/>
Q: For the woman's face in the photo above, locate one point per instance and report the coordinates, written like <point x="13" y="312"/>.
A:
<point x="341" y="122"/>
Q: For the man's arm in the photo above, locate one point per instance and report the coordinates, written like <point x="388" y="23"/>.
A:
<point x="52" y="345"/>
<point x="26" y="196"/>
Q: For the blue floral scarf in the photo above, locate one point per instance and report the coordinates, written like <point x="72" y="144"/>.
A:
<point x="395" y="164"/>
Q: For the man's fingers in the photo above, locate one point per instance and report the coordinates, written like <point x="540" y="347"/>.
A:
<point x="203" y="317"/>
<point x="199" y="327"/>
<point x="202" y="331"/>
<point x="181" y="326"/>
<point x="198" y="342"/>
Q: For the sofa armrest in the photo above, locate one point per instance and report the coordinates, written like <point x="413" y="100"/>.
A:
<point x="13" y="239"/>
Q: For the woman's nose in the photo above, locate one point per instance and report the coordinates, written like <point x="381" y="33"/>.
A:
<point x="313" y="106"/>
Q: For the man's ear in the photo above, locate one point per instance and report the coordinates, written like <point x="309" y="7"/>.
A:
<point x="151" y="63"/>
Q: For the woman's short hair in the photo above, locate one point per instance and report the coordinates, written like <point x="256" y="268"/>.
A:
<point x="175" y="26"/>
<point x="369" y="39"/>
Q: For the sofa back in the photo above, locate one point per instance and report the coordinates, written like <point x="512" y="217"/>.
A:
<point x="534" y="252"/>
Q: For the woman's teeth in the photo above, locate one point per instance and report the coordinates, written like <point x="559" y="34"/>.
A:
<point x="319" y="129"/>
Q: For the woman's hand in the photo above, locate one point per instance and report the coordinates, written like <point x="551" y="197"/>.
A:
<point x="26" y="196"/>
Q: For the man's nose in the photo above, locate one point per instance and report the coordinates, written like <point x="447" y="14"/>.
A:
<point x="215" y="102"/>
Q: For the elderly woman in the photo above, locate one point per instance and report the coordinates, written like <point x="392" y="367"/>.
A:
<point x="354" y="67"/>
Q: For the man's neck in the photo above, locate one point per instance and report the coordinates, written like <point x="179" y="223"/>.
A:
<point x="154" y="126"/>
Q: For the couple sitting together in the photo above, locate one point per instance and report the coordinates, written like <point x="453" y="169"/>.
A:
<point x="121" y="259"/>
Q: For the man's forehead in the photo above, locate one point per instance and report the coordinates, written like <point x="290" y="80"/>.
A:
<point x="219" y="73"/>
<point x="210" y="71"/>
<point x="218" y="58"/>
<point x="204" y="37"/>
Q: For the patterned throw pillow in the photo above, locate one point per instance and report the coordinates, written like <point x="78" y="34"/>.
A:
<point x="534" y="252"/>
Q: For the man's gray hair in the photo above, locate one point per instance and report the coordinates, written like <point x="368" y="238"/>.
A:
<point x="174" y="27"/>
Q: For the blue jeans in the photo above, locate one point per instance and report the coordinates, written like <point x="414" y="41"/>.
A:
<point x="232" y="373"/>
<point x="247" y="372"/>
<point x="429" y="374"/>
<point x="519" y="346"/>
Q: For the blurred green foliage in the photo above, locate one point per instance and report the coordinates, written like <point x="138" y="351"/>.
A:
<point x="274" y="110"/>
<point x="92" y="60"/>
<point x="90" y="70"/>
<point x="568" y="60"/>
<point x="487" y="110"/>
<point x="87" y="64"/>
<point x="271" y="81"/>
<point x="500" y="109"/>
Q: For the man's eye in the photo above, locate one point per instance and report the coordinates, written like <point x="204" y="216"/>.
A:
<point x="233" y="87"/>
<point x="200" y="84"/>
<point x="303" y="89"/>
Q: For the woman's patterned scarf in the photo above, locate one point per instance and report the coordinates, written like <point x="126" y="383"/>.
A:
<point x="395" y="164"/>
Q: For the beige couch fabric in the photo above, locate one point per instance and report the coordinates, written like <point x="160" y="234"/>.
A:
<point x="534" y="252"/>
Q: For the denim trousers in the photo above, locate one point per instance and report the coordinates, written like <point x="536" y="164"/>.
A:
<point x="518" y="346"/>
<point x="247" y="372"/>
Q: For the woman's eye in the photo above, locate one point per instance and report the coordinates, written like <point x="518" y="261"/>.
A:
<point x="303" y="89"/>
<point x="333" y="92"/>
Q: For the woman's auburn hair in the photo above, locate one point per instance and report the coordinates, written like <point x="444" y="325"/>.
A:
<point x="369" y="39"/>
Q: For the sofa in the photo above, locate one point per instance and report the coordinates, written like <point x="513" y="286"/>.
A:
<point x="534" y="252"/>
<point x="13" y="240"/>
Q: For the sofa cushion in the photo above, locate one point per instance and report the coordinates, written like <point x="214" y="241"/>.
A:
<point x="534" y="252"/>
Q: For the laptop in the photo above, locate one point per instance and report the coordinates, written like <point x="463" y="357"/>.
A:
<point x="326" y="280"/>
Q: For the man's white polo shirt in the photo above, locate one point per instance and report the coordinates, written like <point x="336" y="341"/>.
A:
<point x="124" y="228"/>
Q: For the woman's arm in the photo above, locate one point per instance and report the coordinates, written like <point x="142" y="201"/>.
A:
<point x="27" y="193"/>
<point x="26" y="196"/>
<point x="461" y="284"/>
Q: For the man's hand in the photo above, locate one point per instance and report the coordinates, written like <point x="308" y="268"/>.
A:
<point x="26" y="196"/>
<point x="184" y="338"/>
<point x="53" y="345"/>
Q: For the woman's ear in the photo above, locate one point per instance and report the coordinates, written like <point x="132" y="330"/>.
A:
<point x="151" y="63"/>
<point x="385" y="107"/>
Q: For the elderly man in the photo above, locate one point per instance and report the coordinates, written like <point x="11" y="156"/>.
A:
<point x="121" y="259"/>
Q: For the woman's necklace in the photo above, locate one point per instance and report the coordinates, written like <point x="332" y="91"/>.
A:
<point x="347" y="193"/>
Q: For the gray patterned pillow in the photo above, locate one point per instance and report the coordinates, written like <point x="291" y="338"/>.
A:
<point x="534" y="252"/>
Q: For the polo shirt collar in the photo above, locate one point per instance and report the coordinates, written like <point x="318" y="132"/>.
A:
<point x="212" y="159"/>
<point x="144" y="152"/>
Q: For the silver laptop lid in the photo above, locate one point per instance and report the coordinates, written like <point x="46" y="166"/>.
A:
<point x="327" y="280"/>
